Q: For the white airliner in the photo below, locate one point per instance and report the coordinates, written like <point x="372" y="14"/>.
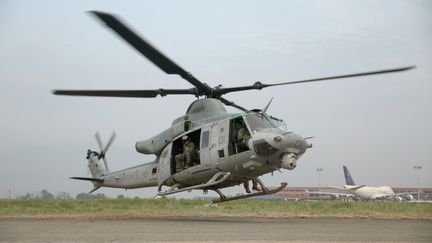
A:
<point x="364" y="192"/>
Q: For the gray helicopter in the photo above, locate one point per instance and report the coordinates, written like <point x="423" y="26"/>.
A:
<point x="207" y="148"/>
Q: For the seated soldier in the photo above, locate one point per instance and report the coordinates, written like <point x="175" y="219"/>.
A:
<point x="184" y="160"/>
<point x="243" y="137"/>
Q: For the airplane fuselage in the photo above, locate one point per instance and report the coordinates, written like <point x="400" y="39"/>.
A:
<point x="371" y="193"/>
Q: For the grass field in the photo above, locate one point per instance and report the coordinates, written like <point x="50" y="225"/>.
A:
<point x="163" y="208"/>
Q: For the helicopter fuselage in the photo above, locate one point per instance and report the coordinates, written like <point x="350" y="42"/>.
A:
<point x="269" y="147"/>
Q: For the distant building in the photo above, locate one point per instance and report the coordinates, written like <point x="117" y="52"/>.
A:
<point x="292" y="193"/>
<point x="425" y="193"/>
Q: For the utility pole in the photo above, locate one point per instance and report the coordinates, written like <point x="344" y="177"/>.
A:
<point x="418" y="168"/>
<point x="319" y="170"/>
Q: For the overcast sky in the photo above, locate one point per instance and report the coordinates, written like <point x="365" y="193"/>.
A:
<point x="379" y="126"/>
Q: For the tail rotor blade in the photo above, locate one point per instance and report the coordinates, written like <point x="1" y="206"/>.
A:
<point x="103" y="149"/>
<point x="113" y="135"/>
<point x="99" y="141"/>
<point x="106" y="164"/>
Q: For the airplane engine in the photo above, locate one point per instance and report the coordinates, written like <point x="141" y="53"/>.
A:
<point x="409" y="197"/>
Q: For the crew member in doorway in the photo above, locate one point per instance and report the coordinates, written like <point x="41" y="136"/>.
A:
<point x="243" y="137"/>
<point x="184" y="160"/>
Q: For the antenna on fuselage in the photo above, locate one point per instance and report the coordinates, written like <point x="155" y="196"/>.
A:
<point x="267" y="106"/>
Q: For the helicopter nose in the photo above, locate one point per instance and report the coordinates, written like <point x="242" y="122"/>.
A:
<point x="263" y="148"/>
<point x="267" y="144"/>
<point x="288" y="146"/>
<point x="294" y="143"/>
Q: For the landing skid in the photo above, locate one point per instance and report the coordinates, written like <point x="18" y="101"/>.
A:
<point x="217" y="179"/>
<point x="264" y="191"/>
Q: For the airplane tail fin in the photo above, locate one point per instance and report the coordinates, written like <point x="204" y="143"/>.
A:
<point x="348" y="179"/>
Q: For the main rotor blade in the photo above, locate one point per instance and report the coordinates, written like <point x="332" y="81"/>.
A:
<point x="127" y="93"/>
<point x="259" y="85"/>
<point x="149" y="51"/>
<point x="230" y="103"/>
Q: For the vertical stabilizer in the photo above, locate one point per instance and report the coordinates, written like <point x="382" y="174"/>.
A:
<point x="96" y="169"/>
<point x="348" y="179"/>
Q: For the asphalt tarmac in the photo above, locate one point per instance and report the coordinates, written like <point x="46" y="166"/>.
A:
<point x="216" y="230"/>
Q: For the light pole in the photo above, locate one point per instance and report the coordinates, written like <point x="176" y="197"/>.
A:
<point x="418" y="168"/>
<point x="319" y="181"/>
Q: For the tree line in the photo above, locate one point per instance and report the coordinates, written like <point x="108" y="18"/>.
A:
<point x="46" y="195"/>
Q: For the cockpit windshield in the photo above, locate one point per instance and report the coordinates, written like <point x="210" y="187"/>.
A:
<point x="258" y="122"/>
<point x="279" y="123"/>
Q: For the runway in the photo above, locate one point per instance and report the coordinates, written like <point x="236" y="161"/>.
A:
<point x="216" y="230"/>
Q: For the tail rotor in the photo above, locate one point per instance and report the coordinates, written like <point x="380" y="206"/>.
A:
<point x="103" y="150"/>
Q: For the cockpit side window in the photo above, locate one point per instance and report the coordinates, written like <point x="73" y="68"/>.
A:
<point x="205" y="139"/>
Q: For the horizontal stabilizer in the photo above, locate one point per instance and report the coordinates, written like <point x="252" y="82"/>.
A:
<point x="348" y="187"/>
<point x="337" y="187"/>
<point x="88" y="179"/>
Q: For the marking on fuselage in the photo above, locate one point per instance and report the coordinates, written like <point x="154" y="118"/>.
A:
<point x="199" y="171"/>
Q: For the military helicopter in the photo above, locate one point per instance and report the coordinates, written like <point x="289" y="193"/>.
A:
<point x="219" y="158"/>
